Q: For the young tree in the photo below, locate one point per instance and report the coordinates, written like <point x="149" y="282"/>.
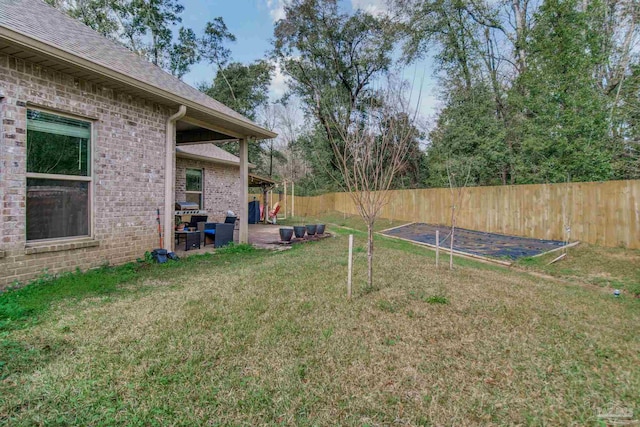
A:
<point x="370" y="151"/>
<point x="458" y="175"/>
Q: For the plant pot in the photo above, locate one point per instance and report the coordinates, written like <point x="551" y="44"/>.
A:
<point x="286" y="234"/>
<point x="311" y="229"/>
<point x="320" y="228"/>
<point x="299" y="230"/>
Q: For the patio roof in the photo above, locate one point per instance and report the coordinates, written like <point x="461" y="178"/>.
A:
<point x="208" y="153"/>
<point x="259" y="181"/>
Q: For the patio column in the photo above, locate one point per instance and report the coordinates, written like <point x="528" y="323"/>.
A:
<point x="169" y="176"/>
<point x="243" y="234"/>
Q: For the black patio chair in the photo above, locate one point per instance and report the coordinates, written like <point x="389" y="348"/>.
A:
<point x="195" y="219"/>
<point x="219" y="234"/>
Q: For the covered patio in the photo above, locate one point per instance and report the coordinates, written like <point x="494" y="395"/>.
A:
<point x="262" y="236"/>
<point x="188" y="128"/>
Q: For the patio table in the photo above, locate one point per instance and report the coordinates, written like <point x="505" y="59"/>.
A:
<point x="191" y="239"/>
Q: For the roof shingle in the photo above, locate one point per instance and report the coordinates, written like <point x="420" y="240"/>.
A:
<point x="39" y="21"/>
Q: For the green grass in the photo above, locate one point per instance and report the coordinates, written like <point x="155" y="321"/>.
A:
<point x="614" y="268"/>
<point x="247" y="337"/>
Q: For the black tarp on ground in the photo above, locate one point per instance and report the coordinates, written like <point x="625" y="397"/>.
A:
<point x="476" y="242"/>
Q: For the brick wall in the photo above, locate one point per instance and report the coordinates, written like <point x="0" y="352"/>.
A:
<point x="221" y="186"/>
<point x="128" y="167"/>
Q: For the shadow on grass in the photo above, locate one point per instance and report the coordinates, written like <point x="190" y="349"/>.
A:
<point x="21" y="306"/>
<point x="25" y="306"/>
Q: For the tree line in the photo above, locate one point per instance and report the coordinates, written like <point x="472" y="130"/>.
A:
<point x="532" y="91"/>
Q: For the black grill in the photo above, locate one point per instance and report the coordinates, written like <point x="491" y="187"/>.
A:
<point x="186" y="206"/>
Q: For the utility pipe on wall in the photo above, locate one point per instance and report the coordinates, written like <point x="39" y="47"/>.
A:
<point x="169" y="175"/>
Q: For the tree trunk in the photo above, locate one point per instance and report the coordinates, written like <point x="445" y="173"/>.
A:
<point x="370" y="255"/>
<point x="271" y="160"/>
<point x="453" y="230"/>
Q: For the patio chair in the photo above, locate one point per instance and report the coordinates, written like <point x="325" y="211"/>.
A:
<point x="195" y="219"/>
<point x="273" y="214"/>
<point x="219" y="234"/>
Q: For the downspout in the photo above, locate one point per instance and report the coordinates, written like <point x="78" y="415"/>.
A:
<point x="170" y="179"/>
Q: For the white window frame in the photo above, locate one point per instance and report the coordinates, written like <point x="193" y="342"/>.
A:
<point x="201" y="192"/>
<point x="77" y="178"/>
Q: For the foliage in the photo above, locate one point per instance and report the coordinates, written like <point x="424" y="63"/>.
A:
<point x="565" y="134"/>
<point x="468" y="133"/>
<point x="436" y="299"/>
<point x="534" y="91"/>
<point x="144" y="26"/>
<point x="332" y="59"/>
<point x="241" y="87"/>
<point x="184" y="53"/>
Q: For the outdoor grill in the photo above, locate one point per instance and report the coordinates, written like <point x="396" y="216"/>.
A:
<point x="188" y="208"/>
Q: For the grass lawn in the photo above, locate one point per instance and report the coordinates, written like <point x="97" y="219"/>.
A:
<point x="615" y="268"/>
<point x="249" y="337"/>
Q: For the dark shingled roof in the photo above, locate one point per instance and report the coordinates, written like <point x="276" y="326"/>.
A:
<point x="37" y="20"/>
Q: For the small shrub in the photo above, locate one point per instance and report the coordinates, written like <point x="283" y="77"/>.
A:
<point x="234" y="248"/>
<point x="391" y="341"/>
<point x="387" y="306"/>
<point x="634" y="289"/>
<point x="436" y="299"/>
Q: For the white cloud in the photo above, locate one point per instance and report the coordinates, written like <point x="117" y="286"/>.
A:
<point x="278" y="84"/>
<point x="373" y="7"/>
<point x="276" y="9"/>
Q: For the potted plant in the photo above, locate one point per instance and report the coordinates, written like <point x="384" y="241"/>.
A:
<point x="299" y="230"/>
<point x="320" y="228"/>
<point x="311" y="229"/>
<point x="286" y="234"/>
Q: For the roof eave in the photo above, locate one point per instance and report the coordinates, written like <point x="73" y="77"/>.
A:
<point x="250" y="130"/>
<point x="190" y="156"/>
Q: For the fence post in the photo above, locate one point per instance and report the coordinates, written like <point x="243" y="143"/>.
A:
<point x="350" y="268"/>
<point x="437" y="247"/>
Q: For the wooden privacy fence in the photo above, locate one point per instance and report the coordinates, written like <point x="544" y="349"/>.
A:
<point x="601" y="213"/>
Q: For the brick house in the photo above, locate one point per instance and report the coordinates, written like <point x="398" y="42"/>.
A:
<point x="93" y="140"/>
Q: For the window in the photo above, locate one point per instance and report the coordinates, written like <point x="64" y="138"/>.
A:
<point x="59" y="182"/>
<point x="194" y="192"/>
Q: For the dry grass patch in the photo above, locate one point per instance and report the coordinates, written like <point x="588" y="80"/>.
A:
<point x="615" y="268"/>
<point x="271" y="339"/>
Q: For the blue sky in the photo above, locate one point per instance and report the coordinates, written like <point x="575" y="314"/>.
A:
<point x="252" y="22"/>
<point x="249" y="20"/>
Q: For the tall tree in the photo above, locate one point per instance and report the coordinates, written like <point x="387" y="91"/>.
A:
<point x="184" y="53"/>
<point x="565" y="134"/>
<point x="331" y="57"/>
<point x="555" y="71"/>
<point x="244" y="88"/>
<point x="144" y="26"/>
<point x="214" y="50"/>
